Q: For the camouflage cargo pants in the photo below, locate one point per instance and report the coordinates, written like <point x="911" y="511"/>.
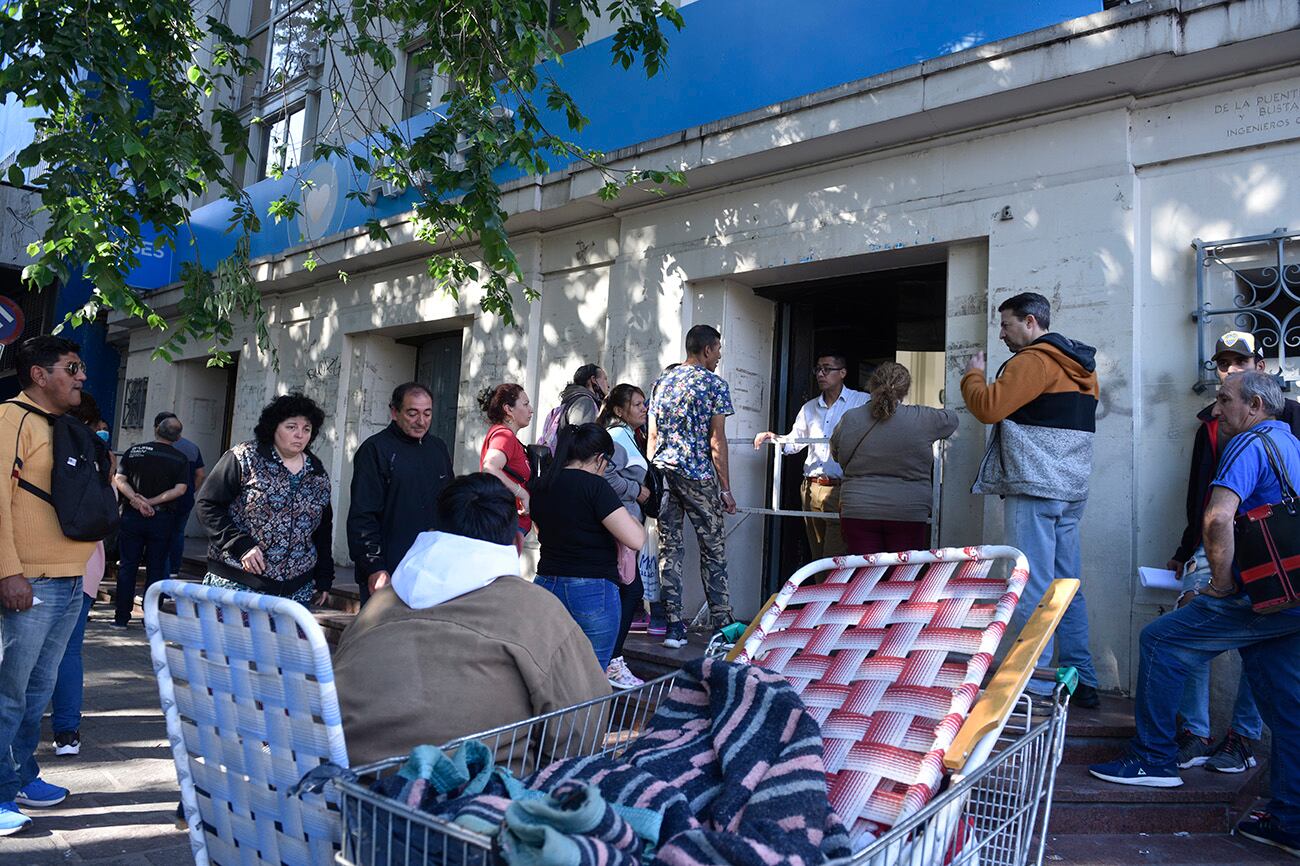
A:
<point x="701" y="502"/>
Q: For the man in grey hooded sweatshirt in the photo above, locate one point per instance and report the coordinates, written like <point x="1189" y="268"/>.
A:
<point x="458" y="643"/>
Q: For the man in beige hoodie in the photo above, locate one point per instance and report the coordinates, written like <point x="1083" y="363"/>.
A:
<point x="457" y="643"/>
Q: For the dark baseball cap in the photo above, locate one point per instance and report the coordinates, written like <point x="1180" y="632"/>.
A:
<point x="1241" y="343"/>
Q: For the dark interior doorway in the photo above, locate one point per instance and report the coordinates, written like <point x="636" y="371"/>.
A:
<point x="228" y="412"/>
<point x="437" y="367"/>
<point x="869" y="318"/>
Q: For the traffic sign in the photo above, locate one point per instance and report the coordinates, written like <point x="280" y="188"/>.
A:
<point x="11" y="320"/>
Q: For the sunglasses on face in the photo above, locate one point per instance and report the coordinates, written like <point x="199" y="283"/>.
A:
<point x="827" y="370"/>
<point x="72" y="368"/>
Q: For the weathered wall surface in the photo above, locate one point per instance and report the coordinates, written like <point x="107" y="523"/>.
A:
<point x="1095" y="208"/>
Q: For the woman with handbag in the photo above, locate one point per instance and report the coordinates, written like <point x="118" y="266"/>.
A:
<point x="266" y="507"/>
<point x="580" y="523"/>
<point x="629" y="474"/>
<point x="503" y="456"/>
<point x="886" y="451"/>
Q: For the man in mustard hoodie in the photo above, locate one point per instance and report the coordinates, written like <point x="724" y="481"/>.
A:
<point x="40" y="572"/>
<point x="1043" y="403"/>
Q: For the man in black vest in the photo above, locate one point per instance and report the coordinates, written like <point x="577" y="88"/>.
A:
<point x="397" y="475"/>
<point x="151" y="477"/>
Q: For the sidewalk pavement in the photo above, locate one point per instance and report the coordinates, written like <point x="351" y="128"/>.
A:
<point x="123" y="784"/>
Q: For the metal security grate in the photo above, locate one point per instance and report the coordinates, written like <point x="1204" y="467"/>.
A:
<point x="137" y="391"/>
<point x="1253" y="283"/>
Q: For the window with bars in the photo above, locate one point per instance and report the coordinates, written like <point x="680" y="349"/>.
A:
<point x="1249" y="284"/>
<point x="133" y="400"/>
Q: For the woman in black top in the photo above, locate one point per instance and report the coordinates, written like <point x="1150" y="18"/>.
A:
<point x="580" y="521"/>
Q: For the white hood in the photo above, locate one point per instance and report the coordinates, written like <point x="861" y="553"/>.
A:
<point x="441" y="566"/>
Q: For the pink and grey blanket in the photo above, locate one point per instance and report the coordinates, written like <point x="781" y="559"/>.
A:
<point x="728" y="771"/>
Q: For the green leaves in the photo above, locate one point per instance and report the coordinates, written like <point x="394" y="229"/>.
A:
<point x="144" y="116"/>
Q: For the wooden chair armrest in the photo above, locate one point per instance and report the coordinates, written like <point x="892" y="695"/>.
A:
<point x="753" y="623"/>
<point x="994" y="706"/>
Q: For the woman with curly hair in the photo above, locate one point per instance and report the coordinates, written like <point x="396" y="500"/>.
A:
<point x="886" y="451"/>
<point x="266" y="507"/>
<point x="503" y="456"/>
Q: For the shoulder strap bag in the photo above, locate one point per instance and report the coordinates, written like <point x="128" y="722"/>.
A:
<point x="1268" y="541"/>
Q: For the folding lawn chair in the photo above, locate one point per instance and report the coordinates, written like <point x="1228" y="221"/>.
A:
<point x="248" y="692"/>
<point x="889" y="653"/>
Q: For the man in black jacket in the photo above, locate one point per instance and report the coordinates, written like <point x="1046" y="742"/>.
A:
<point x="1235" y="352"/>
<point x="397" y="475"/>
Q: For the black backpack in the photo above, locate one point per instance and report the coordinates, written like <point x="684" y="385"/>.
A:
<point x="81" y="492"/>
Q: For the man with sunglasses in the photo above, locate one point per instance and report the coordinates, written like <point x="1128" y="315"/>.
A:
<point x="40" y="571"/>
<point x="1234" y="352"/>
<point x="822" y="476"/>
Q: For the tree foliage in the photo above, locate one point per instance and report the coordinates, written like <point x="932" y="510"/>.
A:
<point x="139" y="121"/>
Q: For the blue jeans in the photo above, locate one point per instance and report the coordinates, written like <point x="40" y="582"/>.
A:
<point x="1047" y="533"/>
<point x="176" y="553"/>
<point x="1188" y="638"/>
<point x="140" y="537"/>
<point x="65" y="716"/>
<point x="33" y="642"/>
<point x="1195" y="705"/>
<point x="594" y="605"/>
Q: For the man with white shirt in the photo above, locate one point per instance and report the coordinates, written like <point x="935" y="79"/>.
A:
<point x="817" y="418"/>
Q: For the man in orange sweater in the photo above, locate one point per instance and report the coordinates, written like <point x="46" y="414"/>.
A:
<point x="40" y="572"/>
<point x="1043" y="403"/>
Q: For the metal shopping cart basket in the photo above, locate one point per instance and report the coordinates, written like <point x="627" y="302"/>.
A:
<point x="992" y="811"/>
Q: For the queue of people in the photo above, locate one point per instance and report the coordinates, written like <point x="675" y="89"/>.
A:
<point x="437" y="557"/>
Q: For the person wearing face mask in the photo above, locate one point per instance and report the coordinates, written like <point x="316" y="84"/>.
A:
<point x="266" y="507"/>
<point x="580" y="523"/>
<point x="1043" y="405"/>
<point x="397" y="475"/>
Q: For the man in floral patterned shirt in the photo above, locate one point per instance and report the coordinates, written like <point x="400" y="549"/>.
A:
<point x="688" y="443"/>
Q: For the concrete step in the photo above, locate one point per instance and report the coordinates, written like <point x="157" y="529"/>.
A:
<point x="1158" y="849"/>
<point x="1205" y="803"/>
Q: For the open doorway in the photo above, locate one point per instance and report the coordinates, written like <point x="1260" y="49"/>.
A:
<point x="894" y="315"/>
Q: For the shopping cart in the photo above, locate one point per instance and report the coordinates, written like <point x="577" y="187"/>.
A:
<point x="995" y="804"/>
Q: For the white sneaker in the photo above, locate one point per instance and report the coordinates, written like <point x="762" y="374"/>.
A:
<point x="620" y="677"/>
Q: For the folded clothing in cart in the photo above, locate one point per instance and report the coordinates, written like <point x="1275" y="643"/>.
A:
<point x="728" y="771"/>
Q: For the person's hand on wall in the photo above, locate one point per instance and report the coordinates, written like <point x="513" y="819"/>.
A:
<point x="976" y="362"/>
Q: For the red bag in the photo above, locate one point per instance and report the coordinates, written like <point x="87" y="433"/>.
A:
<point x="1268" y="542"/>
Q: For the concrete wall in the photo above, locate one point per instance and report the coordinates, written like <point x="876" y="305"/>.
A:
<point x="1093" y="207"/>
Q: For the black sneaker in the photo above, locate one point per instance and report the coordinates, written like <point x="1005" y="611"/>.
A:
<point x="1232" y="755"/>
<point x="120" y="626"/>
<point x="1193" y="751"/>
<point x="67" y="743"/>
<point x="676" y="636"/>
<point x="1085" y="697"/>
<point x="1263" y="827"/>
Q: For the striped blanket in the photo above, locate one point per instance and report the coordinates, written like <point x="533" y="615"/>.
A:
<point x="728" y="771"/>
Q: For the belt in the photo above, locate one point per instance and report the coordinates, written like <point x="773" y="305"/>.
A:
<point x="823" y="480"/>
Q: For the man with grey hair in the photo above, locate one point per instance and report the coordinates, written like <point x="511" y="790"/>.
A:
<point x="151" y="478"/>
<point x="1219" y="618"/>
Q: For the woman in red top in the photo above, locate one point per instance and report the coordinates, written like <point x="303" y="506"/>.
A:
<point x="503" y="455"/>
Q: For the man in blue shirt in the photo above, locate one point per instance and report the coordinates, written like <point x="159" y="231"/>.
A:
<point x="1220" y="618"/>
